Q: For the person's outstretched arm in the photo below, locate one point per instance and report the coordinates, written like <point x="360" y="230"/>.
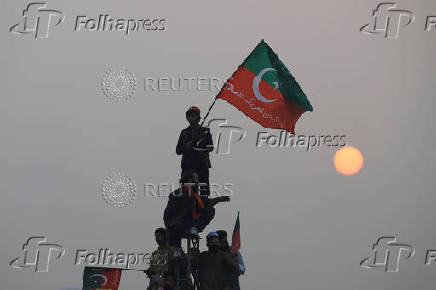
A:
<point x="216" y="200"/>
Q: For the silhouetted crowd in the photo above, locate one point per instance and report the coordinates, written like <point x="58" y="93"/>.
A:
<point x="188" y="211"/>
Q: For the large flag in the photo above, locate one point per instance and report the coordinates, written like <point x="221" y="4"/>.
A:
<point x="236" y="237"/>
<point x="265" y="90"/>
<point x="95" y="278"/>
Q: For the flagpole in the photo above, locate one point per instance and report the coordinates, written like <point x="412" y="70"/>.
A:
<point x="208" y="111"/>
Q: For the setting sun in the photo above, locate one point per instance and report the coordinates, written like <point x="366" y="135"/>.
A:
<point x="348" y="160"/>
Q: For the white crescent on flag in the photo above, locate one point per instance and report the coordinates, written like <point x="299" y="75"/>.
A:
<point x="256" y="82"/>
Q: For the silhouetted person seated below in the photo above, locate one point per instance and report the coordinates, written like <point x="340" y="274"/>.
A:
<point x="217" y="269"/>
<point x="194" y="144"/>
<point x="187" y="210"/>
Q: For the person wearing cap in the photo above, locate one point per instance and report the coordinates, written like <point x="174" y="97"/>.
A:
<point x="217" y="269"/>
<point x="194" y="144"/>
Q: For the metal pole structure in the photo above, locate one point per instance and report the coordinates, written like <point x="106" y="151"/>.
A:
<point x="188" y="251"/>
<point x="208" y="111"/>
<point x="177" y="273"/>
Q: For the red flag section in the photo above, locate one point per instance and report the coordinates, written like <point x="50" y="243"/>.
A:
<point x="95" y="278"/>
<point x="265" y="90"/>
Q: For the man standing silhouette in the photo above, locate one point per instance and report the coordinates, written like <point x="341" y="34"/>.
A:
<point x="217" y="269"/>
<point x="160" y="261"/>
<point x="195" y="143"/>
<point x="222" y="236"/>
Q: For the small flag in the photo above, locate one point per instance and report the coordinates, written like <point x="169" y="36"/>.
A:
<point x="95" y="278"/>
<point x="264" y="90"/>
<point x="236" y="237"/>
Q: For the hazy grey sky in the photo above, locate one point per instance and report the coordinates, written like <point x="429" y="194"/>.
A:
<point x="303" y="225"/>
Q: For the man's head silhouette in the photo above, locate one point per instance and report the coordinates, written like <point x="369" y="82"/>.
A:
<point x="213" y="242"/>
<point x="189" y="177"/>
<point x="223" y="240"/>
<point x="160" y="234"/>
<point x="193" y="115"/>
<point x="189" y="181"/>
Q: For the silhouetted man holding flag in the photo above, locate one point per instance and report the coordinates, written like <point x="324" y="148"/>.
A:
<point x="195" y="143"/>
